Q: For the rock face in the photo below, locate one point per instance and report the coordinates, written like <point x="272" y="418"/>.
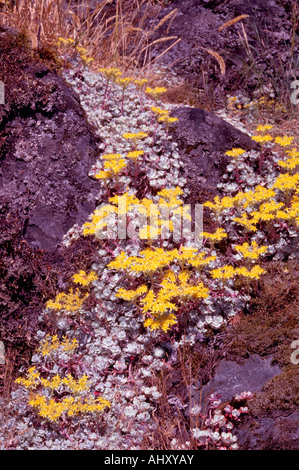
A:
<point x="203" y="139"/>
<point x="46" y="151"/>
<point x="46" y="148"/>
<point x="232" y="378"/>
<point x="249" y="54"/>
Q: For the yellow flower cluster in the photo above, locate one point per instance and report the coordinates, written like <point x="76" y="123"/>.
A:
<point x="151" y="260"/>
<point x="246" y="222"/>
<point x="140" y="82"/>
<point x="82" y="52"/>
<point x="235" y="152"/>
<point x="160" y="306"/>
<point x="135" y="136"/>
<point x="284" y="141"/>
<point x="69" y="382"/>
<point x="135" y="154"/>
<point x="287" y="182"/>
<point x="83" y="278"/>
<point x="291" y="163"/>
<point x="262" y="128"/>
<point x="97" y="217"/>
<point x="69" y="302"/>
<point x="158" y="111"/>
<point x="219" y="205"/>
<point x="113" y="165"/>
<point x="228" y="272"/>
<point x="174" y="288"/>
<point x="52" y="410"/>
<point x="65" y="41"/>
<point x="167" y="119"/>
<point x="131" y="295"/>
<point x="252" y="251"/>
<point x="219" y="235"/>
<point x="155" y="92"/>
<point x="293" y="153"/>
<point x="291" y="213"/>
<point x="50" y="344"/>
<point x="34" y="381"/>
<point x="159" y="214"/>
<point x="124" y="82"/>
<point x="242" y="199"/>
<point x="110" y="73"/>
<point x="262" y="138"/>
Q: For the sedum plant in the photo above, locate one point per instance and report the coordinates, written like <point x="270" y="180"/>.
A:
<point x="59" y="395"/>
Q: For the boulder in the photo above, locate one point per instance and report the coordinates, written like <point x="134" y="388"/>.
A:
<point x="46" y="147"/>
<point x="203" y="139"/>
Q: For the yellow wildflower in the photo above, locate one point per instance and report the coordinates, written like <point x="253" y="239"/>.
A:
<point x="251" y="251"/>
<point x="135" y="136"/>
<point x="266" y="127"/>
<point x="163" y="322"/>
<point x="114" y="166"/>
<point x="226" y="202"/>
<point x="81" y="50"/>
<point x="140" y="82"/>
<point x="155" y="92"/>
<point x="32" y="380"/>
<point x="290" y="163"/>
<point x="260" y="193"/>
<point x="284" y="141"/>
<point x="70" y="302"/>
<point x="111" y="73"/>
<point x="167" y="119"/>
<point x="225" y="272"/>
<point x="83" y="278"/>
<point x="219" y="235"/>
<point x="103" y="175"/>
<point x="124" y="82"/>
<point x="135" y="154"/>
<point x="131" y="295"/>
<point x="247" y="223"/>
<point x="97" y="223"/>
<point x="235" y="152"/>
<point x="293" y="152"/>
<point x="254" y="273"/>
<point x="158" y="111"/>
<point x="286" y="182"/>
<point x="262" y="138"/>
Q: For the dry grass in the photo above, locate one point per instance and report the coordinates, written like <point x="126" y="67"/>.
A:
<point x="173" y="418"/>
<point x="232" y="22"/>
<point x="112" y="34"/>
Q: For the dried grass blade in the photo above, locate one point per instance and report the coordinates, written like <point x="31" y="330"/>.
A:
<point x="233" y="21"/>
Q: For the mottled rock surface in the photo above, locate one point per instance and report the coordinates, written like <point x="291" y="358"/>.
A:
<point x="203" y="139"/>
<point x="232" y="378"/>
<point x="46" y="151"/>
<point x="249" y="52"/>
<point x="46" y="148"/>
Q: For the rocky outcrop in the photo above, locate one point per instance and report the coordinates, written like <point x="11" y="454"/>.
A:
<point x="203" y="139"/>
<point x="46" y="151"/>
<point x="249" y="52"/>
<point x="46" y="147"/>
